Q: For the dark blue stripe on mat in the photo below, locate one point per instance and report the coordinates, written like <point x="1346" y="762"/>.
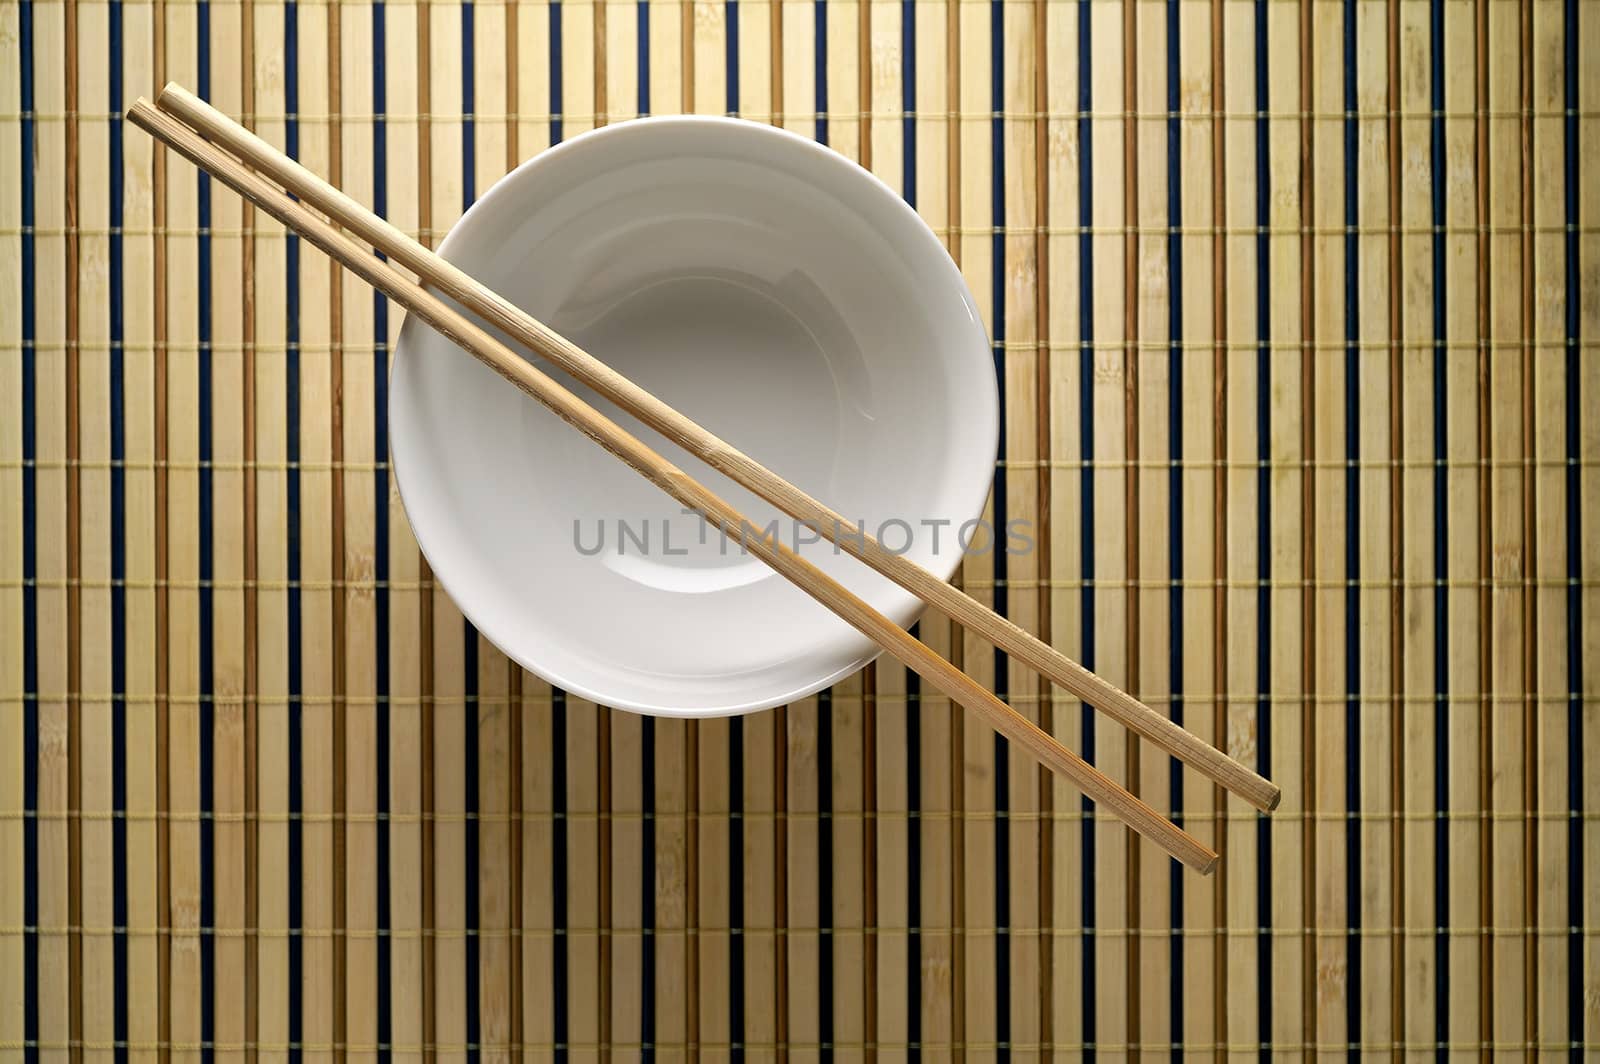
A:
<point x="820" y="71"/>
<point x="1263" y="531"/>
<point x="1175" y="538"/>
<point x="1002" y="759"/>
<point x="1091" y="990"/>
<point x="30" y="555"/>
<point x="736" y="995"/>
<point x="647" y="855"/>
<point x="825" y="871"/>
<point x="1576" y="917"/>
<point x="736" y="988"/>
<point x="380" y="535"/>
<point x="908" y="166"/>
<point x="647" y="897"/>
<point x="647" y="858"/>
<point x="559" y="985"/>
<point x="119" y="557"/>
<point x="208" y="901"/>
<point x="291" y="252"/>
<point x="469" y="634"/>
<point x="1352" y="540"/>
<point x="1441" y="565"/>
<point x="825" y="698"/>
<point x="555" y="73"/>
<point x="731" y="51"/>
<point x="643" y="8"/>
<point x="561" y="953"/>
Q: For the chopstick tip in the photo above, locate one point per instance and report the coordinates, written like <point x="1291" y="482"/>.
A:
<point x="139" y="113"/>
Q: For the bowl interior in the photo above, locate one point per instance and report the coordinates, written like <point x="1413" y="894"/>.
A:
<point x="769" y="289"/>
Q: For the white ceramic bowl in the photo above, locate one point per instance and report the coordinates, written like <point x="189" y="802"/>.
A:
<point x="769" y="288"/>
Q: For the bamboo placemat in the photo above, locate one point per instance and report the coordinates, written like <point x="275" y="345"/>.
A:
<point x="1295" y="310"/>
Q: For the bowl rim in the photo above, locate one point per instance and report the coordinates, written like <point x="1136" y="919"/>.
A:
<point x="985" y="418"/>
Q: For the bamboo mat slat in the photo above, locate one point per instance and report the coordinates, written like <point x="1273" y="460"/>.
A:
<point x="1295" y="311"/>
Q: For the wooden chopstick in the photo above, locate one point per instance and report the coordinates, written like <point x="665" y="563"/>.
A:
<point x="675" y="482"/>
<point x="719" y="454"/>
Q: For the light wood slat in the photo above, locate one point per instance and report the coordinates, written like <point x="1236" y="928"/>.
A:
<point x="1466" y="837"/>
<point x="1245" y="739"/>
<point x="1551" y="911"/>
<point x="890" y="970"/>
<point x="319" y="988"/>
<point x="1149" y="887"/>
<point x="942" y="974"/>
<point x="233" y="986"/>
<point x="1329" y="498"/>
<point x="93" y="985"/>
<point x="1418" y="977"/>
<point x="1115" y="1012"/>
<point x="1374" y="909"/>
<point x="182" y="634"/>
<point x="799" y="68"/>
<point x="251" y="550"/>
<point x="756" y="63"/>
<point x="538" y="864"/>
<point x="803" y="849"/>
<point x="844" y="77"/>
<point x="494" y="679"/>
<point x="1215" y="269"/>
<point x="628" y="976"/>
<point x="1287" y="677"/>
<point x="13" y="1021"/>
<point x="666" y="44"/>
<point x="712" y="802"/>
<point x="1020" y="382"/>
<point x="941" y="871"/>
<point x="1509" y="551"/>
<point x="1204" y="509"/>
<point x="1588" y="155"/>
<point x="619" y="44"/>
<point x="847" y="829"/>
<point x="710" y="68"/>
<point x="356" y="604"/>
<point x="272" y="553"/>
<point x="584" y="912"/>
<point x="577" y="66"/>
<point x="53" y="989"/>
<point x="1549" y="908"/>
<point x="884" y="71"/>
<point x="893" y="981"/>
<point x="533" y="92"/>
<point x="763" y="919"/>
<point x="445" y="192"/>
<point x="673" y="996"/>
<point x="406" y="740"/>
<point x="1068" y="876"/>
<point x="977" y="885"/>
<point x="139" y="486"/>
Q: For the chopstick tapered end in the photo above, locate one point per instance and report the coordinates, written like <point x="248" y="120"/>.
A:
<point x="139" y="113"/>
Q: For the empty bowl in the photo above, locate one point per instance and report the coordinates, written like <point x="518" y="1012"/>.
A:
<point x="775" y="292"/>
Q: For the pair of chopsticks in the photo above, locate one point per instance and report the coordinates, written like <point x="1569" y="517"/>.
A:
<point x="238" y="158"/>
